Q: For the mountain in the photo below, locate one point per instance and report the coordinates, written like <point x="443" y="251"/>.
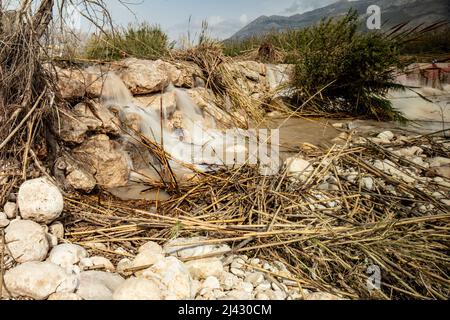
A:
<point x="393" y="12"/>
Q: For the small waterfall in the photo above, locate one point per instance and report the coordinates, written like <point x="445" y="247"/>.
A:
<point x="115" y="92"/>
<point x="191" y="143"/>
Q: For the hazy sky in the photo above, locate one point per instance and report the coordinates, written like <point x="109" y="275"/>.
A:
<point x="224" y="17"/>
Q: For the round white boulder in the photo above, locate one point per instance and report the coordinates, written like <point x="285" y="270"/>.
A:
<point x="97" y="285"/>
<point x="66" y="255"/>
<point x="10" y="209"/>
<point x="39" y="200"/>
<point x="138" y="289"/>
<point x="38" y="280"/>
<point x="174" y="277"/>
<point x="26" y="241"/>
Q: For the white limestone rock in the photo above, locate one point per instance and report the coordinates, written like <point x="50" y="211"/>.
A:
<point x="26" y="241"/>
<point x="204" y="268"/>
<point x="97" y="285"/>
<point x="386" y="135"/>
<point x="57" y="229"/>
<point x="97" y="262"/>
<point x="38" y="280"/>
<point x="152" y="247"/>
<point x="138" y="289"/>
<point x="298" y="168"/>
<point x="39" y="200"/>
<point x="67" y="255"/>
<point x="173" y="276"/>
<point x="10" y="210"/>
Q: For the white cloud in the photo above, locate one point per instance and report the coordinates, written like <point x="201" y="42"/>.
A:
<point x="301" y="6"/>
<point x="215" y="20"/>
<point x="243" y="19"/>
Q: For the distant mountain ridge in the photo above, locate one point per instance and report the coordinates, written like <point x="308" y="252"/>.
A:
<point x="393" y="13"/>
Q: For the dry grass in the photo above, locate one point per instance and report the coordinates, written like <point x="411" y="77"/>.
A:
<point x="221" y="78"/>
<point x="327" y="249"/>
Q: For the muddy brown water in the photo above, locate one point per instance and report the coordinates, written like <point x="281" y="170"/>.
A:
<point x="294" y="132"/>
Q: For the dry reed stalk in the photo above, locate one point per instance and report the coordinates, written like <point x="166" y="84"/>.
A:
<point x="277" y="218"/>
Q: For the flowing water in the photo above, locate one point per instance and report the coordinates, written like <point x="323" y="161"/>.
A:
<point x="183" y="134"/>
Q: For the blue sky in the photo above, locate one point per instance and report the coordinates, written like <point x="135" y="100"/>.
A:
<point x="224" y="17"/>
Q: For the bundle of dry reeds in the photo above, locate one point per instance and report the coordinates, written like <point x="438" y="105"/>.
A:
<point x="328" y="238"/>
<point x="222" y="79"/>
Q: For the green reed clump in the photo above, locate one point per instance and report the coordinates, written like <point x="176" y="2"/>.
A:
<point x="142" y="41"/>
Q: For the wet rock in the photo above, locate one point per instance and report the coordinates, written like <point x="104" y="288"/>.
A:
<point x="138" y="289"/>
<point x="87" y="117"/>
<point x="204" y="268"/>
<point x="110" y="165"/>
<point x="39" y="200"/>
<point x="144" y="76"/>
<point x="26" y="241"/>
<point x="174" y="277"/>
<point x="10" y="210"/>
<point x="341" y="139"/>
<point x="38" y="280"/>
<point x="96" y="285"/>
<point x="67" y="255"/>
<point x="154" y="102"/>
<point x="74" y="83"/>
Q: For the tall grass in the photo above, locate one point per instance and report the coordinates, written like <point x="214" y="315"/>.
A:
<point x="354" y="70"/>
<point x="142" y="41"/>
<point x="436" y="42"/>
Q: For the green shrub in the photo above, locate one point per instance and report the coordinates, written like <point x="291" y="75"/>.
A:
<point x="233" y="48"/>
<point x="354" y="69"/>
<point x="436" y="42"/>
<point x="142" y="41"/>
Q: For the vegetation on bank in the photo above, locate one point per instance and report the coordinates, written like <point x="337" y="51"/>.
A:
<point x="352" y="70"/>
<point x="142" y="41"/>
